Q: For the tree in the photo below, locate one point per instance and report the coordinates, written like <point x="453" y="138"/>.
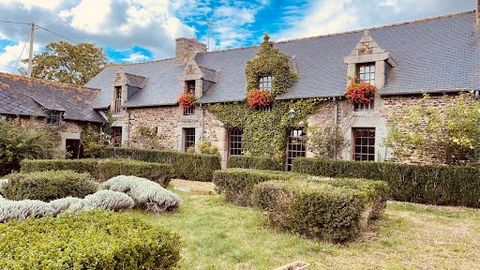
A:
<point x="27" y="141"/>
<point x="146" y="137"/>
<point x="67" y="63"/>
<point x="433" y="135"/>
<point x="326" y="141"/>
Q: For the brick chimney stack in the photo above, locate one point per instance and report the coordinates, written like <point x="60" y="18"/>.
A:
<point x="187" y="48"/>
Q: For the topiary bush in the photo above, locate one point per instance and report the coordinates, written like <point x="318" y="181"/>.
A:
<point x="48" y="185"/>
<point x="188" y="166"/>
<point x="87" y="240"/>
<point x="147" y="195"/>
<point x="237" y="184"/>
<point x="103" y="169"/>
<point x="19" y="210"/>
<point x="251" y="162"/>
<point x="315" y="210"/>
<point x="430" y="184"/>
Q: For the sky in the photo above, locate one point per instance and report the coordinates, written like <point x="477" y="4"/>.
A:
<point x="144" y="30"/>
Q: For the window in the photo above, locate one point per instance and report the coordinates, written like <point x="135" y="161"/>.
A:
<point x="366" y="73"/>
<point x="265" y="83"/>
<point x="295" y="146"/>
<point x="118" y="99"/>
<point x="74" y="148"/>
<point x="53" y="118"/>
<point x="364" y="144"/>
<point x="235" y="142"/>
<point x="190" y="88"/>
<point x="117" y="136"/>
<point x="188" y="138"/>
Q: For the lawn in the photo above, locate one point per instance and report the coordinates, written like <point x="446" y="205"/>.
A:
<point x="219" y="235"/>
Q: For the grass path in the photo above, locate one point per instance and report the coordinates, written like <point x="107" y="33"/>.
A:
<point x="219" y="235"/>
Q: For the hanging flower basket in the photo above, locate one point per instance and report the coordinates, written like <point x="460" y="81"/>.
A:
<point x="259" y="98"/>
<point x="186" y="100"/>
<point x="360" y="92"/>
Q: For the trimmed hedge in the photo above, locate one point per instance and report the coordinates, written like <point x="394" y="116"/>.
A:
<point x="430" y="184"/>
<point x="237" y="184"/>
<point x="48" y="185"/>
<point x="259" y="163"/>
<point x="189" y="166"/>
<point x="87" y="240"/>
<point x="315" y="210"/>
<point x="105" y="169"/>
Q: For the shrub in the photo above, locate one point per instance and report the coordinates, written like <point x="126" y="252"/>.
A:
<point x="107" y="200"/>
<point x="315" y="210"/>
<point x="237" y="184"/>
<point x="207" y="148"/>
<point x="430" y="184"/>
<point x="19" y="210"/>
<point x="76" y="165"/>
<point x="18" y="142"/>
<point x="48" y="185"/>
<point x="160" y="173"/>
<point x="147" y="195"/>
<point x="3" y="184"/>
<point x="186" y="165"/>
<point x="88" y="240"/>
<point x="63" y="204"/>
<point x="250" y="162"/>
<point x="105" y="169"/>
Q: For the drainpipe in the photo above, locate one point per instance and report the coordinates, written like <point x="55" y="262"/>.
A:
<point x="335" y="124"/>
<point x="202" y="121"/>
<point x="128" y="128"/>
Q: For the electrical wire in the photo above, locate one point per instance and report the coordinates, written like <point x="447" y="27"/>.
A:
<point x="14" y="22"/>
<point x="23" y="49"/>
<point x="57" y="34"/>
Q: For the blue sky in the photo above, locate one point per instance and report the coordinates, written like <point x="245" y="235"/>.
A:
<point x="144" y="30"/>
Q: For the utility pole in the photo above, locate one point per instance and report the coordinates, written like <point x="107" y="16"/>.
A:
<point x="30" y="55"/>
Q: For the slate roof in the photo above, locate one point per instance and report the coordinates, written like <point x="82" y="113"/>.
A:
<point x="439" y="54"/>
<point x="135" y="80"/>
<point x="31" y="97"/>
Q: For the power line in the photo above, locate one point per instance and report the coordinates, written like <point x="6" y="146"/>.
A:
<point x="23" y="49"/>
<point x="14" y="22"/>
<point x="57" y="34"/>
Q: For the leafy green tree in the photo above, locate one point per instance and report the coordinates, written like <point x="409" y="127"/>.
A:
<point x="67" y="63"/>
<point x="27" y="141"/>
<point x="429" y="134"/>
<point x="146" y="138"/>
<point x="326" y="141"/>
<point x="94" y="141"/>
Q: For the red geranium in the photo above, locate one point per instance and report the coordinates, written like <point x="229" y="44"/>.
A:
<point x="186" y="100"/>
<point x="359" y="91"/>
<point x="259" y="98"/>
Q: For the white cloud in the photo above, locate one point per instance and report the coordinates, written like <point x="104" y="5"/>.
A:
<point x="136" y="57"/>
<point x="9" y="57"/>
<point x="28" y="4"/>
<point x="89" y="16"/>
<point x="324" y="17"/>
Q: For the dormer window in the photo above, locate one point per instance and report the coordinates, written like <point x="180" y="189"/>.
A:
<point x="265" y="83"/>
<point x="53" y="118"/>
<point x="366" y="73"/>
<point x="190" y="89"/>
<point x="118" y="99"/>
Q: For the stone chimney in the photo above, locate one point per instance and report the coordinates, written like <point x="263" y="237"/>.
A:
<point x="187" y="48"/>
<point x="477" y="14"/>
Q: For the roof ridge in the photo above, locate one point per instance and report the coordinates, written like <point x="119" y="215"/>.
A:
<point x="135" y="75"/>
<point x="46" y="81"/>
<point x="428" y="19"/>
<point x="139" y="63"/>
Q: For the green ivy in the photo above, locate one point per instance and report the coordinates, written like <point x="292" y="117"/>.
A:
<point x="265" y="133"/>
<point x="270" y="61"/>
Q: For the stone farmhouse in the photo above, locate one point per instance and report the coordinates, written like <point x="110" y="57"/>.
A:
<point x="439" y="56"/>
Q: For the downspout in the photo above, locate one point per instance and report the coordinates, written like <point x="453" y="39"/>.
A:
<point x="335" y="124"/>
<point x="202" y="121"/>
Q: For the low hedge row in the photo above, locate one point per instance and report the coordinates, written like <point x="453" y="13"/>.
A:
<point x="189" y="166"/>
<point x="237" y="184"/>
<point x="88" y="240"/>
<point x="48" y="185"/>
<point x="430" y="184"/>
<point x="105" y="169"/>
<point x="259" y="163"/>
<point x="315" y="210"/>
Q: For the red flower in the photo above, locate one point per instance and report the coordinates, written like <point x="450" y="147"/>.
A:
<point x="259" y="98"/>
<point x="360" y="92"/>
<point x="186" y="100"/>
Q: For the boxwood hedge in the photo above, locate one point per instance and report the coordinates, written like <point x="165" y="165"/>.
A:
<point x="188" y="166"/>
<point x="430" y="184"/>
<point x="48" y="185"/>
<point x="237" y="184"/>
<point x="259" y="163"/>
<point x="315" y="210"/>
<point x="87" y="240"/>
<point x="104" y="169"/>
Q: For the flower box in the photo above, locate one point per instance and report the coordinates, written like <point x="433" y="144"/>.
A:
<point x="186" y="100"/>
<point x="360" y="92"/>
<point x="259" y="98"/>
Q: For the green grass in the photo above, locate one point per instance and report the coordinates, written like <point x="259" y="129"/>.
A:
<point x="219" y="235"/>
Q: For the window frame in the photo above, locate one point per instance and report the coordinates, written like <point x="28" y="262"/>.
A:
<point x="297" y="148"/>
<point x="364" y="70"/>
<point x="265" y="82"/>
<point x="365" y="142"/>
<point x="117" y="107"/>
<point x="188" y="134"/>
<point x="190" y="87"/>
<point x="235" y="138"/>
<point x="117" y="136"/>
<point x="53" y="118"/>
